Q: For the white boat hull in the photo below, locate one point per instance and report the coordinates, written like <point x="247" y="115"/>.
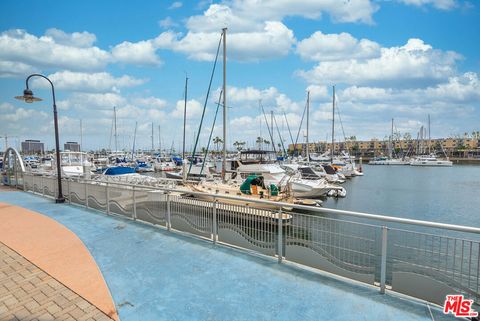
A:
<point x="434" y="163"/>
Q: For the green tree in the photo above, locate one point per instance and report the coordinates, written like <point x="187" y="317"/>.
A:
<point x="217" y="141"/>
<point x="259" y="142"/>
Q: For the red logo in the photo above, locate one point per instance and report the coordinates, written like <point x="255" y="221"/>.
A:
<point x="459" y="306"/>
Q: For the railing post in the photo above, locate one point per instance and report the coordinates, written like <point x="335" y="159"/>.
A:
<point x="107" y="198"/>
<point x="16" y="174"/>
<point x="24" y="186"/>
<point x="43" y="185"/>
<point x="69" y="192"/>
<point x="86" y="194"/>
<point x="383" y="268"/>
<point x="214" y="221"/>
<point x="169" y="221"/>
<point x="280" y="236"/>
<point x="134" y="203"/>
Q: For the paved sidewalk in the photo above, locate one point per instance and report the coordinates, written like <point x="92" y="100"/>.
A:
<point x="157" y="275"/>
<point x="28" y="293"/>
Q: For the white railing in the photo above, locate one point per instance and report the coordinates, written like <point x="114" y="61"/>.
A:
<point x="426" y="260"/>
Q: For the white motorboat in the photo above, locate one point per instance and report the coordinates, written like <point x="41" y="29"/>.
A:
<point x="75" y="163"/>
<point x="430" y="160"/>
<point x="302" y="181"/>
<point x="382" y="160"/>
<point x="164" y="164"/>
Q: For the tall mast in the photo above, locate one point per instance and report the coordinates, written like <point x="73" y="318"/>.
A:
<point x="185" y="117"/>
<point x="429" y="137"/>
<point x="271" y="126"/>
<point x="153" y="147"/>
<point x="333" y="124"/>
<point x="390" y="152"/>
<point x="134" y="138"/>
<point x="224" y="163"/>
<point x="159" y="141"/>
<point x="115" y="127"/>
<point x="308" y="112"/>
<point x="81" y="135"/>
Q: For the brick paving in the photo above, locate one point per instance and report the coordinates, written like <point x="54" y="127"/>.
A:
<point x="28" y="293"/>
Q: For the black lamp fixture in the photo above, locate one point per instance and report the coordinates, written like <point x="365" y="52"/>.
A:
<point x="28" y="97"/>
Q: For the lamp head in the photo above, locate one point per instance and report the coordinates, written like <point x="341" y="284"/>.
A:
<point x="28" y="97"/>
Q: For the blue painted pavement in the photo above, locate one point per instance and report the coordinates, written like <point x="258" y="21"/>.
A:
<point x="154" y="274"/>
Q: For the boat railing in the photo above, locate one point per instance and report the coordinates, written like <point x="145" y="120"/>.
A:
<point x="422" y="259"/>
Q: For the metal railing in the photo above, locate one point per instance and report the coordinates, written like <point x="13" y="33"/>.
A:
<point x="426" y="260"/>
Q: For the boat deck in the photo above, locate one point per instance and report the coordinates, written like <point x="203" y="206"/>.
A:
<point x="154" y="274"/>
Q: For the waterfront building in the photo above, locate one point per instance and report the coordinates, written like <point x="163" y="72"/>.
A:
<point x="31" y="146"/>
<point x="453" y="147"/>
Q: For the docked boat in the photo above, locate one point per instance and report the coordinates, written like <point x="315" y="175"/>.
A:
<point x="312" y="185"/>
<point x="164" y="164"/>
<point x="253" y="187"/>
<point x="31" y="161"/>
<point x="430" y="160"/>
<point x="383" y="160"/>
<point x="143" y="167"/>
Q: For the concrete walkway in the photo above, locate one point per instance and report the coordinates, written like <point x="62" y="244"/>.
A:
<point x="157" y="275"/>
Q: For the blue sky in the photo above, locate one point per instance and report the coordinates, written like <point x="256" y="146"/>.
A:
<point x="401" y="59"/>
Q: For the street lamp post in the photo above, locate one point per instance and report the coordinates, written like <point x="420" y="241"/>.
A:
<point x="29" y="98"/>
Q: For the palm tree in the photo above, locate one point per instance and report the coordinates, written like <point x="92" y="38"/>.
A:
<point x="239" y="145"/>
<point x="266" y="142"/>
<point x="259" y="142"/>
<point x="217" y="141"/>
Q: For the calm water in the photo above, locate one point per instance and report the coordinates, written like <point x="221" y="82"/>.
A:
<point x="447" y="195"/>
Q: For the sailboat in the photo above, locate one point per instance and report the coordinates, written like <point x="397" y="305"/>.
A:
<point x="258" y="180"/>
<point x="390" y="160"/>
<point x="430" y="159"/>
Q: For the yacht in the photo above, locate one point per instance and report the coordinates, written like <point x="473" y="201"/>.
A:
<point x="32" y="161"/>
<point x="383" y="160"/>
<point x="74" y="163"/>
<point x="310" y="184"/>
<point x="164" y="164"/>
<point x="143" y="166"/>
<point x="430" y="160"/>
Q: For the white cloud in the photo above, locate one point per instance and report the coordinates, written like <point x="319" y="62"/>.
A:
<point x="4" y="107"/>
<point x="414" y="64"/>
<point x="332" y="47"/>
<point x="318" y="92"/>
<point x="175" y="5"/>
<point x="439" y="4"/>
<point x="79" y="81"/>
<point x="168" y="22"/>
<point x="138" y="53"/>
<point x="77" y="39"/>
<point x="194" y="109"/>
<point x="153" y="102"/>
<point x="250" y="94"/>
<point x="248" y="98"/>
<point x="9" y="69"/>
<point x="463" y="89"/>
<point x="275" y="40"/>
<point x="18" y="46"/>
<point x="219" y="16"/>
<point x="245" y="15"/>
<point x="255" y="31"/>
<point x="93" y="102"/>
<point x="21" y="114"/>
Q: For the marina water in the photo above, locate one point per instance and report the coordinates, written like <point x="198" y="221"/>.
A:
<point x="447" y="195"/>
